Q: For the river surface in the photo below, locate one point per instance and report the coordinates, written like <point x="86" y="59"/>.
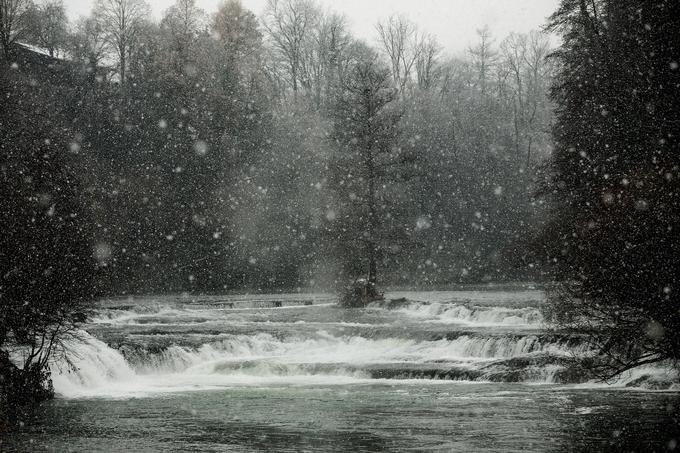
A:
<point x="423" y="371"/>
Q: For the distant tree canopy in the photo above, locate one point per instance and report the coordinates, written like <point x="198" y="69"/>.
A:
<point x="218" y="147"/>
<point x="614" y="178"/>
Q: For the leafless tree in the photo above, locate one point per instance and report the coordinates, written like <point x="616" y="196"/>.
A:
<point x="182" y="22"/>
<point x="513" y="54"/>
<point x="288" y="24"/>
<point x="236" y="31"/>
<point x="399" y="39"/>
<point x="427" y="56"/>
<point x="88" y="44"/>
<point x="48" y="26"/>
<point x="121" y="20"/>
<point x="14" y="23"/>
<point x="322" y="55"/>
<point x="523" y="56"/>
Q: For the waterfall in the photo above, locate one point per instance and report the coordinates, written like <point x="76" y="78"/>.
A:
<point x="164" y="346"/>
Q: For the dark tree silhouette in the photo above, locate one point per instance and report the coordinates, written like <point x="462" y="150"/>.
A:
<point x="365" y="131"/>
<point x="47" y="262"/>
<point x="614" y="240"/>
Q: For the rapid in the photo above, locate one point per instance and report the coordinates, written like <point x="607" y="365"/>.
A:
<point x="439" y="370"/>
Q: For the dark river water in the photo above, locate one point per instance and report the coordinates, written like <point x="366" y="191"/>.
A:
<point x="425" y="371"/>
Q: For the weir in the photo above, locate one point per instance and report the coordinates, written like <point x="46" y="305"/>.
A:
<point x="176" y="344"/>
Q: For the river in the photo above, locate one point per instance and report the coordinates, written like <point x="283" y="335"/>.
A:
<point x="423" y="371"/>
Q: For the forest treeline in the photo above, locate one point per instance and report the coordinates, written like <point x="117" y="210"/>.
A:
<point x="213" y="153"/>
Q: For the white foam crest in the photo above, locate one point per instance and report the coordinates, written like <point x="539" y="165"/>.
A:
<point x="141" y="311"/>
<point x="93" y="364"/>
<point x="473" y="315"/>
<point x="527" y="297"/>
<point x="100" y="371"/>
<point x="649" y="377"/>
<point x="355" y="350"/>
<point x="251" y="359"/>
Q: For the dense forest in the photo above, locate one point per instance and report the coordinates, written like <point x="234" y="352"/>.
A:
<point x="217" y="152"/>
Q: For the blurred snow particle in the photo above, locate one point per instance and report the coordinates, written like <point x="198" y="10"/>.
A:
<point x="423" y="223"/>
<point x="191" y="70"/>
<point x="330" y="215"/>
<point x="199" y="220"/>
<point x="498" y="191"/>
<point x="102" y="252"/>
<point x="45" y="199"/>
<point x="641" y="205"/>
<point x="162" y="124"/>
<point x="654" y="330"/>
<point x="674" y="65"/>
<point x="74" y="147"/>
<point x="201" y="148"/>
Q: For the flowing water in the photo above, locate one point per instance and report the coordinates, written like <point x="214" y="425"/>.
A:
<point x="438" y="371"/>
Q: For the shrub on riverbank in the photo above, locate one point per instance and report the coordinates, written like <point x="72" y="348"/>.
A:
<point x="46" y="255"/>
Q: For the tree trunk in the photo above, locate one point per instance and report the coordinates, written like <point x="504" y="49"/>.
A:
<point x="372" y="218"/>
<point x="121" y="51"/>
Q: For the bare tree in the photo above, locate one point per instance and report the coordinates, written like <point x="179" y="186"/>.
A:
<point x="523" y="58"/>
<point x="236" y="31"/>
<point x="338" y="41"/>
<point x="513" y="54"/>
<point x="538" y="73"/>
<point x="14" y="23"/>
<point x="322" y="53"/>
<point x="88" y="44"/>
<point x="288" y="24"/>
<point x="399" y="39"/>
<point x="121" y="20"/>
<point x="182" y="22"/>
<point x="48" y="26"/>
<point x="427" y="56"/>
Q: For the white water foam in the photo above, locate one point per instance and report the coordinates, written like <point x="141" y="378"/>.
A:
<point x="288" y="354"/>
<point x="480" y="316"/>
<point x="251" y="359"/>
